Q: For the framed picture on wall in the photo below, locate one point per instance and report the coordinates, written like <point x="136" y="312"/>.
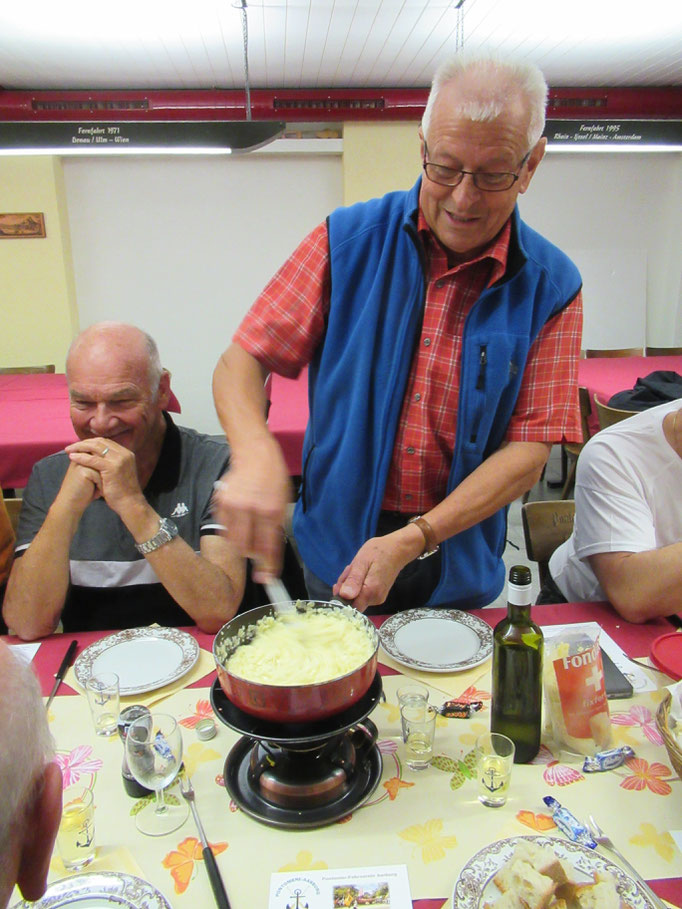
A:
<point x="22" y="225"/>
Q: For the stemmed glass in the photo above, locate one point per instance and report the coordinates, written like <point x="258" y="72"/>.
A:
<point x="154" y="752"/>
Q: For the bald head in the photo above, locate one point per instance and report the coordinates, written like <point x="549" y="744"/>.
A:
<point x="118" y="390"/>
<point x="125" y="343"/>
<point x="30" y="784"/>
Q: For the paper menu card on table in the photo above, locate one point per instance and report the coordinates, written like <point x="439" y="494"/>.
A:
<point x="382" y="885"/>
<point x="638" y="678"/>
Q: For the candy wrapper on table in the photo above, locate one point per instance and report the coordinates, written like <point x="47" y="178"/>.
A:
<point x="576" y="707"/>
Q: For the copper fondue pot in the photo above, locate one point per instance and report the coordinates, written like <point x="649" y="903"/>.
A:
<point x="290" y="703"/>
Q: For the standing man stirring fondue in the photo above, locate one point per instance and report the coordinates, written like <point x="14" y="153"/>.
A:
<point x="443" y="337"/>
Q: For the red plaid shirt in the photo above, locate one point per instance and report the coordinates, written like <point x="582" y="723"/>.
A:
<point x="286" y="323"/>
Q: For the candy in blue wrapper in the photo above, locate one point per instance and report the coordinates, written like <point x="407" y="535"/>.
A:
<point x="569" y="824"/>
<point x="607" y="760"/>
<point x="162" y="748"/>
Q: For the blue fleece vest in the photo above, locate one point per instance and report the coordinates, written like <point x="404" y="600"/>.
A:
<point x="358" y="376"/>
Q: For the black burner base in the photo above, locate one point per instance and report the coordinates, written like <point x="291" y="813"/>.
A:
<point x="359" y="788"/>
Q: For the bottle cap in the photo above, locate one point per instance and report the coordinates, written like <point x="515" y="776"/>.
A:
<point x="206" y="729"/>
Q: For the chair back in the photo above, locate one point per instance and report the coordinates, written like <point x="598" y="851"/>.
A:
<point x="574" y="448"/>
<point x="13" y="507"/>
<point x="546" y="525"/>
<point x="663" y="351"/>
<point x="607" y="416"/>
<point x="25" y="370"/>
<point x="615" y="352"/>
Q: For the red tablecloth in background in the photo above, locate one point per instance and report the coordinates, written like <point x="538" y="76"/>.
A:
<point x="288" y="416"/>
<point x="34" y="422"/>
<point x="604" y="376"/>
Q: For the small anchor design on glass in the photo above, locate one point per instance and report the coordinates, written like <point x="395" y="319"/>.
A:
<point x="85" y="835"/>
<point x="492" y="780"/>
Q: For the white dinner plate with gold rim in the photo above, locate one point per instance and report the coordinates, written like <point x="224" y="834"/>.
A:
<point x="143" y="658"/>
<point x="475" y="885"/>
<point x="100" y="890"/>
<point x="437" y="640"/>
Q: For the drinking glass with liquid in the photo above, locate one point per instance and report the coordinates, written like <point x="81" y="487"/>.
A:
<point x="419" y="723"/>
<point x="76" y="834"/>
<point x="494" y="763"/>
<point x="104" y="699"/>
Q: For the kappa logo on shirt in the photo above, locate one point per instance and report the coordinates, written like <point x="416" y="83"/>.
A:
<point x="180" y="510"/>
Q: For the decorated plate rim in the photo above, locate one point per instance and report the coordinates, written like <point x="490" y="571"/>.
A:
<point x="114" y="886"/>
<point x="394" y="623"/>
<point x="190" y="654"/>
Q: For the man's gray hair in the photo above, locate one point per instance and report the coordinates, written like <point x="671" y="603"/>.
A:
<point x="27" y="744"/>
<point x="491" y="84"/>
<point x="155" y="367"/>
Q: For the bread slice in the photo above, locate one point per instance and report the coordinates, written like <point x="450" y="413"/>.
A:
<point x="531" y="888"/>
<point x="543" y="859"/>
<point x="602" y="894"/>
<point x="508" y="900"/>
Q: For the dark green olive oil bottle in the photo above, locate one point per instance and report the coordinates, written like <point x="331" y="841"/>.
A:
<point x="516" y="706"/>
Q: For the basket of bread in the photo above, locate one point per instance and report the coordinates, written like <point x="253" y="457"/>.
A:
<point x="671" y="729"/>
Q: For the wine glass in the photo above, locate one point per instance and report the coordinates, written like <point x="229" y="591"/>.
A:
<point x="154" y="752"/>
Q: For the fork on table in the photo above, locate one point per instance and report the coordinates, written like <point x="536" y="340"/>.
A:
<point x="209" y="859"/>
<point x="604" y="840"/>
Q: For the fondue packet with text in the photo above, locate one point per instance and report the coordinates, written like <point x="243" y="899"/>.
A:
<point x="575" y="695"/>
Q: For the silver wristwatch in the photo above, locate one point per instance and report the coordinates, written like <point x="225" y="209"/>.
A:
<point x="166" y="532"/>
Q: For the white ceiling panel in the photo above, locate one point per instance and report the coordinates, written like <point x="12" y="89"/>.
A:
<point x="329" y="43"/>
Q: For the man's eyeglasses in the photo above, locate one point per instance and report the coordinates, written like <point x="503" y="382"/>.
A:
<point x="488" y="181"/>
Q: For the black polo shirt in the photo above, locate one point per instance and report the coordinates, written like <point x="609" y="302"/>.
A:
<point x="112" y="585"/>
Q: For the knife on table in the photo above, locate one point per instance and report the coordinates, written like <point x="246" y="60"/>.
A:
<point x="61" y="672"/>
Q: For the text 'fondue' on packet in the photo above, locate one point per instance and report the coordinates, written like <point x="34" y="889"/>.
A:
<point x="575" y="694"/>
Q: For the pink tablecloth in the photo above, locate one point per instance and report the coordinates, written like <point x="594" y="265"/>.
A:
<point x="604" y="376"/>
<point x="34" y="422"/>
<point x="288" y="416"/>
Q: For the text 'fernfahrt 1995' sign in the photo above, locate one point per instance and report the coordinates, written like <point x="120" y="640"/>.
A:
<point x="614" y="132"/>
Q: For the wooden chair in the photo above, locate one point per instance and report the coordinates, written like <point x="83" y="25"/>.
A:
<point x="545" y="526"/>
<point x="25" y="370"/>
<point x="572" y="449"/>
<point x="615" y="352"/>
<point x="663" y="351"/>
<point x="13" y="507"/>
<point x="607" y="416"/>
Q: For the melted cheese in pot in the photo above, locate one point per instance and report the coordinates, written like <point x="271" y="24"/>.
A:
<point x="302" y="649"/>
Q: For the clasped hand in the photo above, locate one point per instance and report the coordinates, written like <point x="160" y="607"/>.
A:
<point x="101" y="468"/>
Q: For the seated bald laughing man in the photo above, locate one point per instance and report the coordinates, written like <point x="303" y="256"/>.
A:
<point x="116" y="531"/>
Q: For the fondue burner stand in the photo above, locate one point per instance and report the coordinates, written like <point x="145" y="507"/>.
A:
<point x="305" y="774"/>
